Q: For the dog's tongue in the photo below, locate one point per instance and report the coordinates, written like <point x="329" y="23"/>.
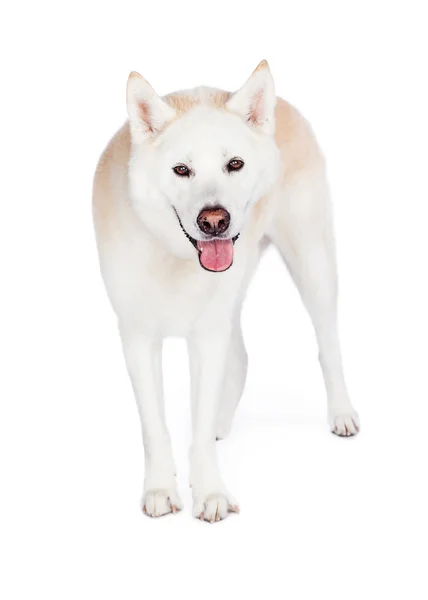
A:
<point x="216" y="255"/>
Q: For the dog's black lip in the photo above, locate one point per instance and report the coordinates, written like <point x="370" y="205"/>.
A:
<point x="195" y="242"/>
<point x="189" y="237"/>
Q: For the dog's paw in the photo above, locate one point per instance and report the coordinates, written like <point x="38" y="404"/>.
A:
<point x="345" y="425"/>
<point x="159" y="502"/>
<point x="214" y="507"/>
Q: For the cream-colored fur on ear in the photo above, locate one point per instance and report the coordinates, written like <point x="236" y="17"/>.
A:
<point x="255" y="101"/>
<point x="148" y="113"/>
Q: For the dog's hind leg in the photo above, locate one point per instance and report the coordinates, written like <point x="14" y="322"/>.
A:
<point x="302" y="231"/>
<point x="236" y="373"/>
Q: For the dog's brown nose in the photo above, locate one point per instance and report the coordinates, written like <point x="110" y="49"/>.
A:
<point x="213" y="221"/>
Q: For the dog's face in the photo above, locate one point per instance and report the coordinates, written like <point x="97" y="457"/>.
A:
<point x="197" y="175"/>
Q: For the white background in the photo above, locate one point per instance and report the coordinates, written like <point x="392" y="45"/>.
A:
<point x="320" y="516"/>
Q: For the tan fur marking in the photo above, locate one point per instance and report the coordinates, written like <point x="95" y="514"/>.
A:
<point x="112" y="164"/>
<point x="262" y="65"/>
<point x="135" y="75"/>
<point x="185" y="102"/>
<point x="219" y="98"/>
<point x="182" y="103"/>
<point x="294" y="138"/>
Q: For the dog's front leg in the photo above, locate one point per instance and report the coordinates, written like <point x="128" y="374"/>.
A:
<point x="143" y="354"/>
<point x="208" y="352"/>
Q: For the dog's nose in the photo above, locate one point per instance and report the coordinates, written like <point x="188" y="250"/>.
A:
<point x="213" y="221"/>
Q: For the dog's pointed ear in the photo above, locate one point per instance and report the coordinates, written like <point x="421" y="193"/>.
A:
<point x="148" y="113"/>
<point x="255" y="101"/>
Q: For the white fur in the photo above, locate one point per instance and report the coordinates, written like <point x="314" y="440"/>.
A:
<point x="157" y="287"/>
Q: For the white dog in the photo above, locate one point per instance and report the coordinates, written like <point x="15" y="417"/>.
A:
<point x="186" y="195"/>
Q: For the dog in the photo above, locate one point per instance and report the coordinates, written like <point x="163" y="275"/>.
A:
<point x="186" y="196"/>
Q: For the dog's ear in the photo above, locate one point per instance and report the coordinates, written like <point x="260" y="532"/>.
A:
<point x="255" y="101"/>
<point x="148" y="113"/>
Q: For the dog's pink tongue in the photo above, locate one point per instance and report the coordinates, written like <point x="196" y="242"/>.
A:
<point x="216" y="255"/>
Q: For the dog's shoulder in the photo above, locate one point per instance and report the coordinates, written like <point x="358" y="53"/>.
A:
<point x="111" y="177"/>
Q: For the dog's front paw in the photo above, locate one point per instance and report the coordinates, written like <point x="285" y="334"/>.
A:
<point x="159" y="502"/>
<point x="345" y="425"/>
<point x="211" y="500"/>
<point x="214" y="507"/>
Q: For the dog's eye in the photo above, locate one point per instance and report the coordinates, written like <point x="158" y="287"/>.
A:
<point x="181" y="170"/>
<point x="235" y="164"/>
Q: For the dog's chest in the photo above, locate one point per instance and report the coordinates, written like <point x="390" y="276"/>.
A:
<point x="170" y="296"/>
<point x="177" y="302"/>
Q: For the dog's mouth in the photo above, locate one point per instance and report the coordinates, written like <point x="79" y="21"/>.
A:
<point x="215" y="254"/>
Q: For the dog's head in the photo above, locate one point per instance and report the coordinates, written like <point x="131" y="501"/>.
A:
<point x="200" y="161"/>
